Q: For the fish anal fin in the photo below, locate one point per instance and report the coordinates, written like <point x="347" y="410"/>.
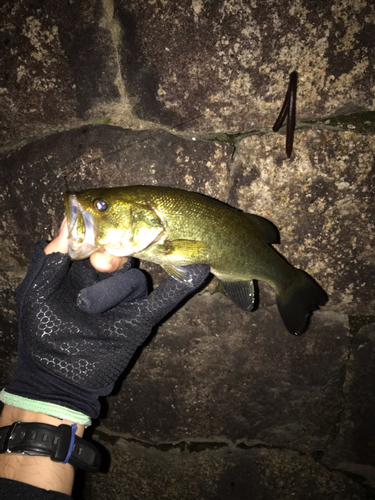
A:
<point x="266" y="227"/>
<point x="241" y="293"/>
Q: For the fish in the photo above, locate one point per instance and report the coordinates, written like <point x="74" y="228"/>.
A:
<point x="175" y="228"/>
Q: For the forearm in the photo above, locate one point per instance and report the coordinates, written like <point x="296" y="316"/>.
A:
<point x="37" y="471"/>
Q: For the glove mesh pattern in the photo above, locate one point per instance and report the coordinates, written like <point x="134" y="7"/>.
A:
<point x="91" y="350"/>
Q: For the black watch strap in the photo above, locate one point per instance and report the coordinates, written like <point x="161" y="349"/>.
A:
<point x="31" y="438"/>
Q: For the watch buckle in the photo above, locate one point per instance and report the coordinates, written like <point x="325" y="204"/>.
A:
<point x="9" y="437"/>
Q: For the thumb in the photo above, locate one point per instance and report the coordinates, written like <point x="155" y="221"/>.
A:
<point x="60" y="243"/>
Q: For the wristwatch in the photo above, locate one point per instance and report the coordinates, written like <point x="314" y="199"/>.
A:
<point x="45" y="440"/>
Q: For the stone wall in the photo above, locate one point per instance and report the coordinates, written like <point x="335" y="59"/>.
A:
<point x="219" y="404"/>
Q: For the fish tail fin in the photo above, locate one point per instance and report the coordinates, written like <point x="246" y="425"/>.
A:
<point x="298" y="300"/>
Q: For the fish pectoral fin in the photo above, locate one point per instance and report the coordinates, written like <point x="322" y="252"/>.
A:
<point x="242" y="293"/>
<point x="185" y="252"/>
<point x="178" y="273"/>
<point x="189" y="250"/>
<point x="266" y="227"/>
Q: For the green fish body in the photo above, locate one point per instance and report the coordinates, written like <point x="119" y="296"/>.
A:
<point x="175" y="228"/>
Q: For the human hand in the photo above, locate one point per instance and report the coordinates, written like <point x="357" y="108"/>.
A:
<point x="31" y="389"/>
<point x="69" y="357"/>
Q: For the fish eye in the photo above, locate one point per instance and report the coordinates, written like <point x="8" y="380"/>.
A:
<point x="100" y="205"/>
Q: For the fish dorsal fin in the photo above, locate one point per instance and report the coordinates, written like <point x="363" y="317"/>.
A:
<point x="241" y="292"/>
<point x="266" y="227"/>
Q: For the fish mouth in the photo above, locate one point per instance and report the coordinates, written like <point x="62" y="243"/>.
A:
<point x="82" y="228"/>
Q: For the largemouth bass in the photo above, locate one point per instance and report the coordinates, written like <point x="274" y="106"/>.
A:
<point x="174" y="228"/>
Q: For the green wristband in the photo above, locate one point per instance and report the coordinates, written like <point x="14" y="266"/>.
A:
<point x="50" y="409"/>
